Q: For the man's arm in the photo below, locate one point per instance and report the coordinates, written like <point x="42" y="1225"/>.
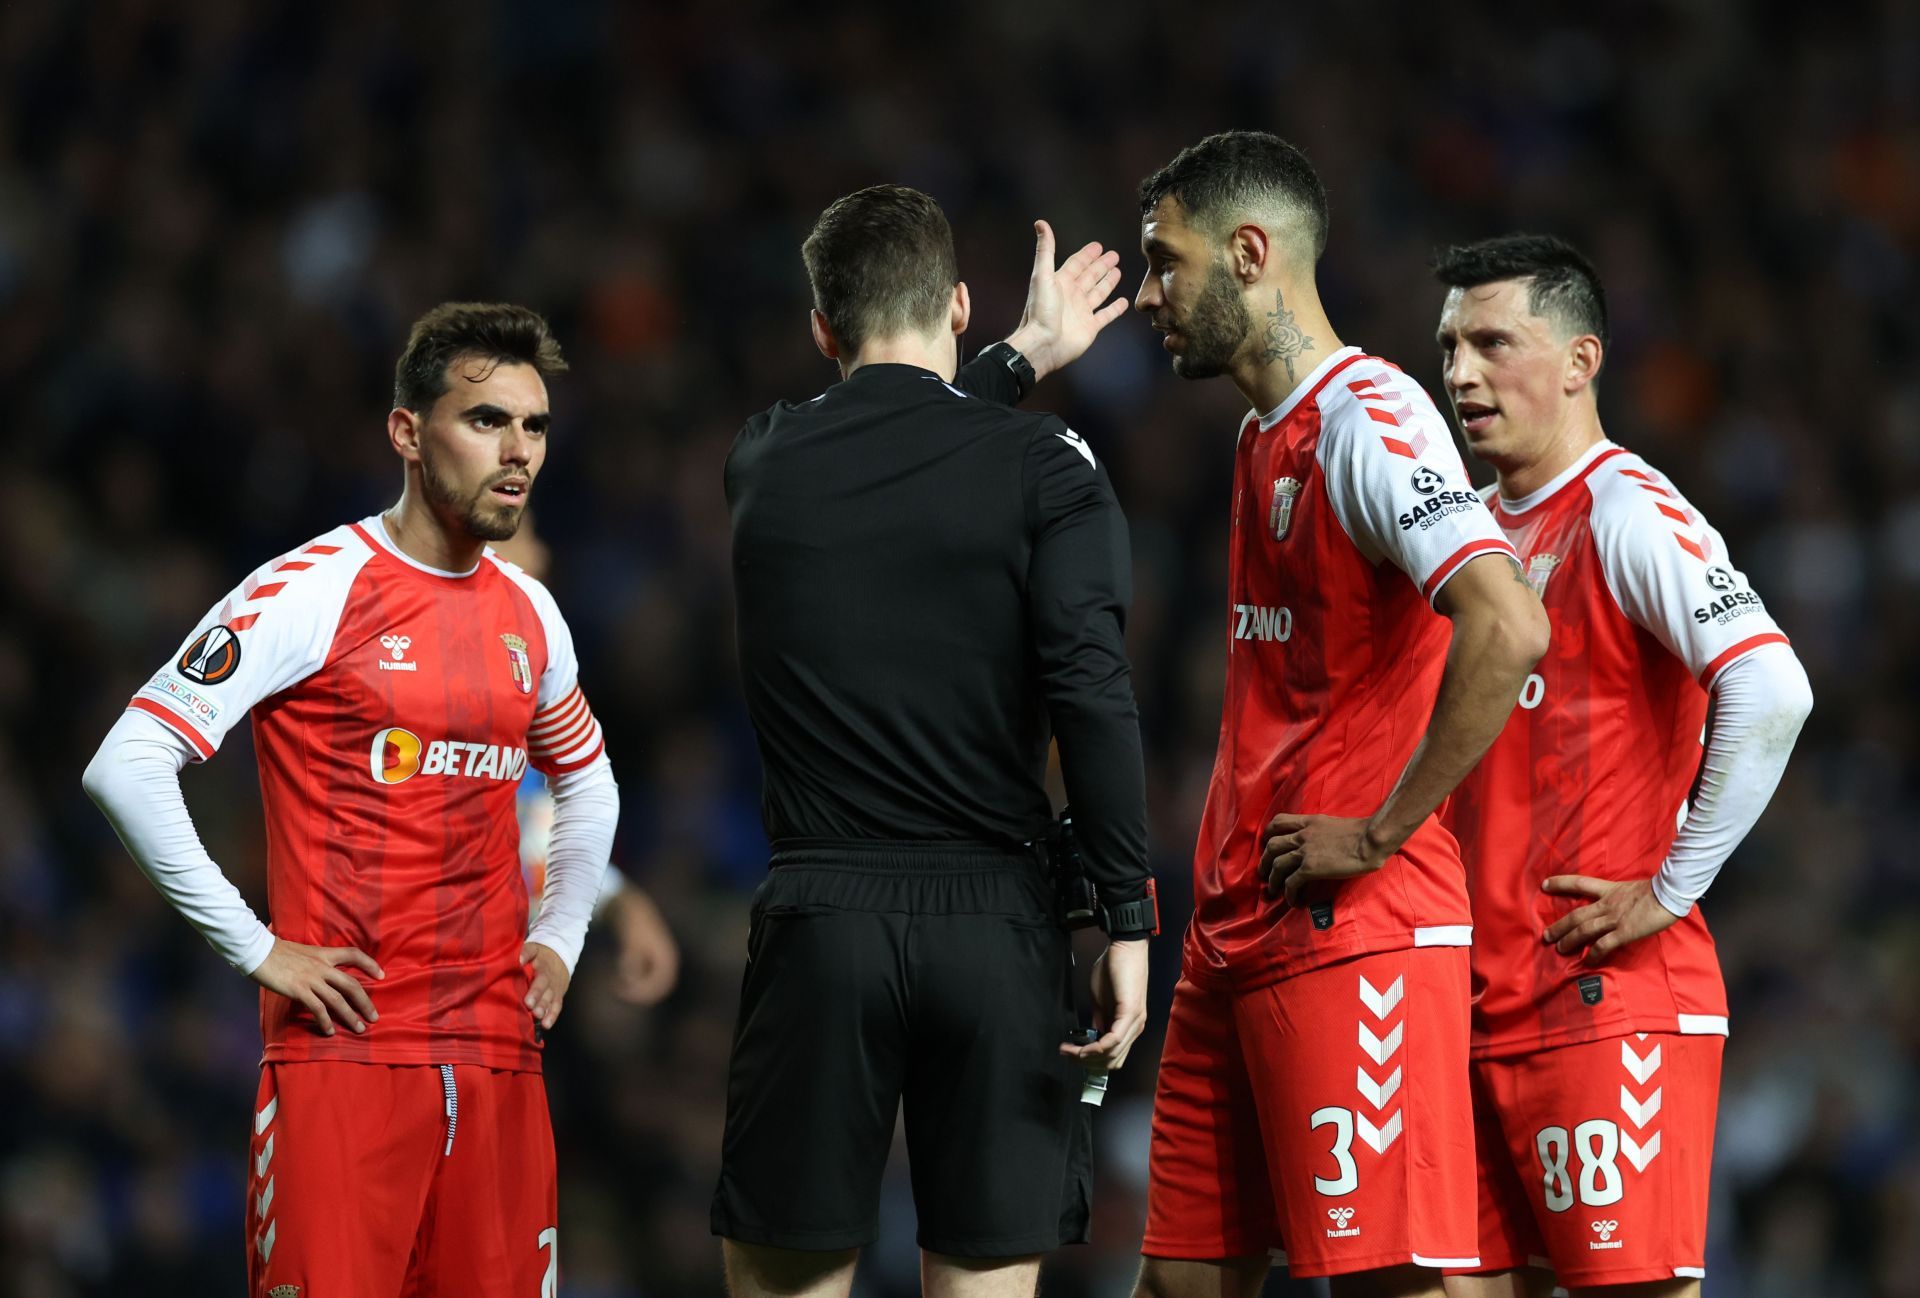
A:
<point x="586" y="811"/>
<point x="1704" y="611"/>
<point x="1079" y="583"/>
<point x="1499" y="633"/>
<point x="1760" y="702"/>
<point x="135" y="780"/>
<point x="565" y="744"/>
<point x="1063" y="315"/>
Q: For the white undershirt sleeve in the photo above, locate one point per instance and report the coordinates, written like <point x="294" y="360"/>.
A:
<point x="1759" y="702"/>
<point x="586" y="810"/>
<point x="135" y="779"/>
<point x="611" y="885"/>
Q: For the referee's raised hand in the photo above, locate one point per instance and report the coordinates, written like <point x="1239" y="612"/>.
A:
<point x="1067" y="306"/>
<point x="1119" y="1005"/>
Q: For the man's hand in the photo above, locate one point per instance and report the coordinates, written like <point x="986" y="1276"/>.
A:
<point x="549" y="977"/>
<point x="315" y="976"/>
<point x="1064" y="312"/>
<point x="1119" y="1005"/>
<point x="1302" y="850"/>
<point x="649" y="961"/>
<point x="1621" y="912"/>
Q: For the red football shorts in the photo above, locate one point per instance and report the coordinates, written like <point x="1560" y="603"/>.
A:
<point x="384" y="1181"/>
<point x="1594" y="1158"/>
<point x="1326" y="1116"/>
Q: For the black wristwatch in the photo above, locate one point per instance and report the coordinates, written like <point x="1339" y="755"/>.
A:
<point x="1018" y="365"/>
<point x="1133" y="919"/>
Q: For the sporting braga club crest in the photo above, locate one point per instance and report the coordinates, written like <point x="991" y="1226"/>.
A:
<point x="1285" y="492"/>
<point x="1539" y="568"/>
<point x="522" y="665"/>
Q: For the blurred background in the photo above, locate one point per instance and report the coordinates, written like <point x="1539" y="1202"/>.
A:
<point x="217" y="220"/>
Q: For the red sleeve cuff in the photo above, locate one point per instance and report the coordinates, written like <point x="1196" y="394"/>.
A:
<point x="1740" y="650"/>
<point x="185" y="730"/>
<point x="1454" y="562"/>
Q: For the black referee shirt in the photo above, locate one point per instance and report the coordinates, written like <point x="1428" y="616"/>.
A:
<point x="928" y="585"/>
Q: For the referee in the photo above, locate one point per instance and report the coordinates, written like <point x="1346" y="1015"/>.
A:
<point x="929" y="584"/>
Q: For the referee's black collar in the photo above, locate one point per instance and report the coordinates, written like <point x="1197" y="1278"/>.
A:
<point x="893" y="370"/>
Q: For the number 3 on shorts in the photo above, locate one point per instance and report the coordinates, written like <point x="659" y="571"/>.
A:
<point x="1341" y="1120"/>
<point x="550" y="1282"/>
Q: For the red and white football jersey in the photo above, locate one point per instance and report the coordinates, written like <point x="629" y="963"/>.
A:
<point x="1351" y="508"/>
<point x="1592" y="773"/>
<point x="394" y="709"/>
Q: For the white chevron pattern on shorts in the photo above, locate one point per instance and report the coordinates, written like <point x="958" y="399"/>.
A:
<point x="261" y="1159"/>
<point x="1380" y="1050"/>
<point x="1378" y="1138"/>
<point x="1638" y="1154"/>
<point x="265" y="1116"/>
<point x="1640" y="1113"/>
<point x="1377" y="1093"/>
<point x="264" y="1242"/>
<point x="263" y="1201"/>
<point x="1641" y="1069"/>
<point x="1382" y="1003"/>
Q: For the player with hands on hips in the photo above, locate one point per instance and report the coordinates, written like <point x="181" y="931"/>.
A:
<point x="400" y="679"/>
<point x="1646" y="744"/>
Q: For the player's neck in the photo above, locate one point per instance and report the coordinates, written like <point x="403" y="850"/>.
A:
<point x="1292" y="338"/>
<point x="1569" y="442"/>
<point x="417" y="532"/>
<point x="941" y="355"/>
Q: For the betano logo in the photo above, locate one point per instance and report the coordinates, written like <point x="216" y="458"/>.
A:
<point x="398" y="755"/>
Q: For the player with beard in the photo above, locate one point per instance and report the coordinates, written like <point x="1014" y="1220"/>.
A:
<point x="1644" y="748"/>
<point x="400" y="677"/>
<point x="1312" y="1094"/>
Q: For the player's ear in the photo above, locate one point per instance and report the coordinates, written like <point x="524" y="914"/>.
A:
<point x="1583" y="363"/>
<point x="403" y="430"/>
<point x="823" y="335"/>
<point x="962" y="309"/>
<point x="1249" y="250"/>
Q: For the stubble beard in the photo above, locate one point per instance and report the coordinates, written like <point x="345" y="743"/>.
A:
<point x="1216" y="328"/>
<point x="483" y="520"/>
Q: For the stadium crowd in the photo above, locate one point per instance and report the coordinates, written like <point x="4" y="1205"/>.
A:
<point x="217" y="219"/>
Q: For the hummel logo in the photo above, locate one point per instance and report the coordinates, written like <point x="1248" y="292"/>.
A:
<point x="397" y="645"/>
<point x="1340" y="1217"/>
<point x="1605" y="1229"/>
<point x="1079" y="444"/>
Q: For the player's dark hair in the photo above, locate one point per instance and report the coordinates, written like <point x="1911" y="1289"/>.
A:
<point x="881" y="262"/>
<point x="1223" y="177"/>
<point x="496" y="332"/>
<point x="1562" y="284"/>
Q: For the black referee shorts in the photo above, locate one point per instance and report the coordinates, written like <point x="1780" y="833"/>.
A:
<point x="883" y="974"/>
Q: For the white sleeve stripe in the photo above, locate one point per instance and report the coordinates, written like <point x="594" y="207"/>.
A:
<point x="575" y="754"/>
<point x="564" y="701"/>
<point x="562" y="742"/>
<point x="560" y="715"/>
<point x="563" y="766"/>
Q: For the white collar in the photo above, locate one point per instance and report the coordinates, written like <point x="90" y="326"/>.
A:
<point x="1539" y="495"/>
<point x="377" y="528"/>
<point x="1307" y="385"/>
